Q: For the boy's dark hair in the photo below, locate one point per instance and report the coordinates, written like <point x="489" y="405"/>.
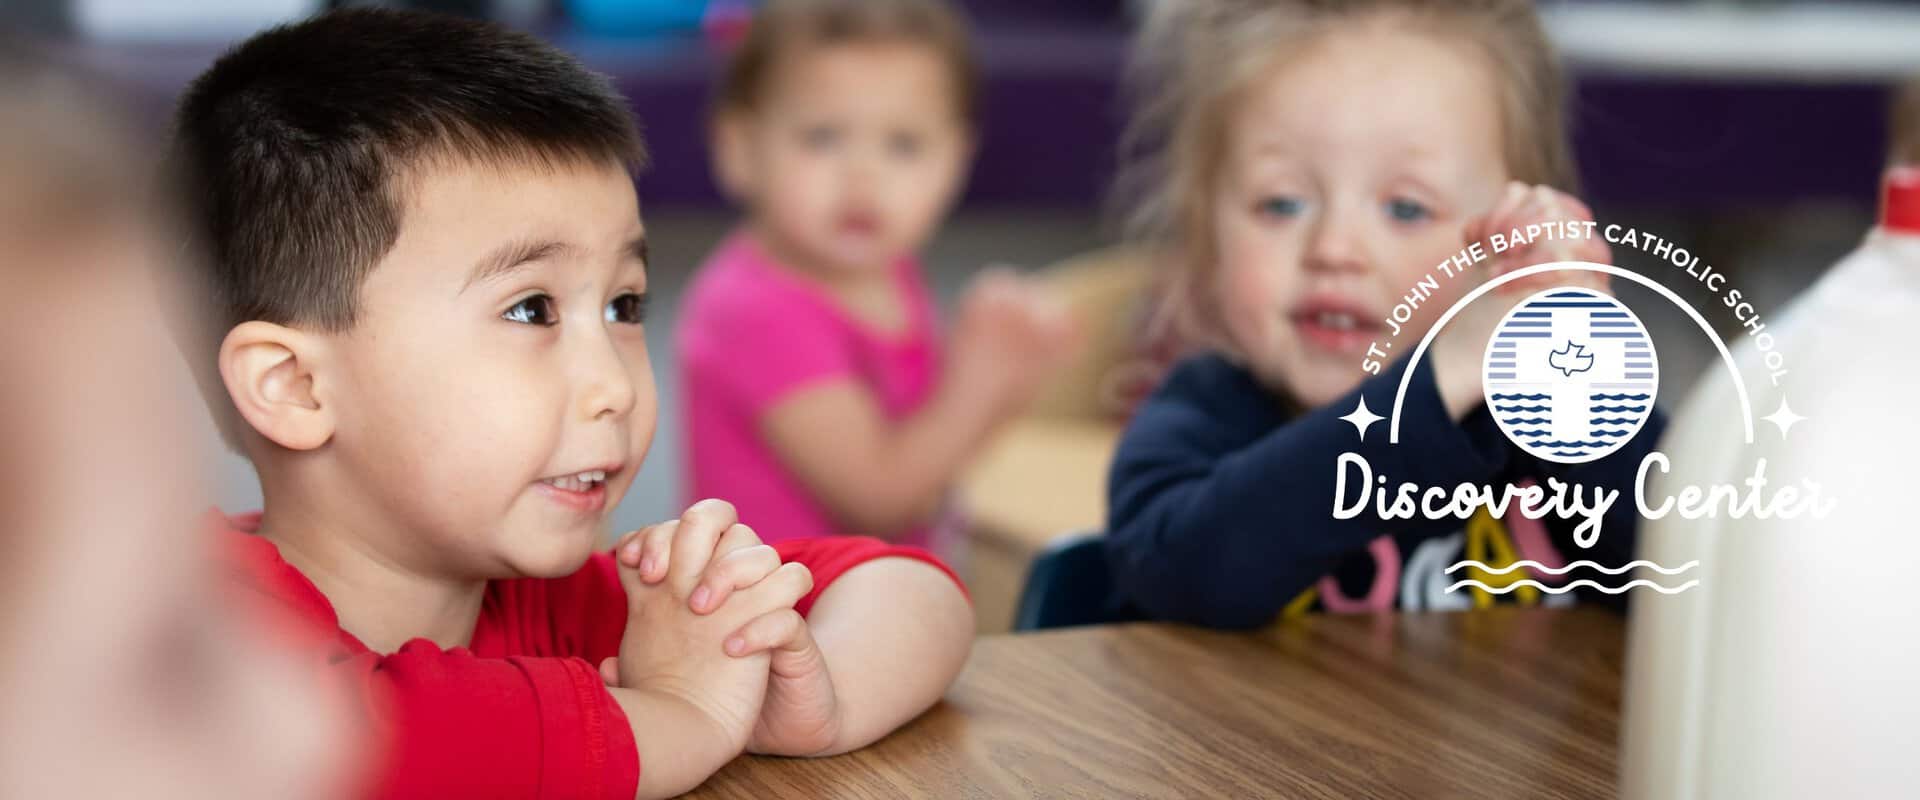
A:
<point x="294" y="147"/>
<point x="781" y="26"/>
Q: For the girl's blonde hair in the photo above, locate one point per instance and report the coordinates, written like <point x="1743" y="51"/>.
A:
<point x="1195" y="58"/>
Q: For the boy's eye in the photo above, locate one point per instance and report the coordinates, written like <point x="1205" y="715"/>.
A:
<point x="904" y="145"/>
<point x="535" y="310"/>
<point x="1404" y="210"/>
<point x="820" y="137"/>
<point x="628" y="309"/>
<point x="1280" y="206"/>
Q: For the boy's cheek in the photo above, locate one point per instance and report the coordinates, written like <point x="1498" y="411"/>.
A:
<point x="645" y="416"/>
<point x="531" y="545"/>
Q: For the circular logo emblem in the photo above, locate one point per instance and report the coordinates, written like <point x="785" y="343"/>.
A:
<point x="1570" y="375"/>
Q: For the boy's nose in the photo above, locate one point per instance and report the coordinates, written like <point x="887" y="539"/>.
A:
<point x="607" y="388"/>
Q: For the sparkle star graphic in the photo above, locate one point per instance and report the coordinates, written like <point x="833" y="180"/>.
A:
<point x="1362" y="418"/>
<point x="1785" y="418"/>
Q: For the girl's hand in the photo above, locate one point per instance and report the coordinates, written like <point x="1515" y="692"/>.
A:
<point x="1524" y="205"/>
<point x="1009" y="335"/>
<point x="1457" y="352"/>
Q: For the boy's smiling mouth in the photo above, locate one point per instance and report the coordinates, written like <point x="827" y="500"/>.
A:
<point x="581" y="491"/>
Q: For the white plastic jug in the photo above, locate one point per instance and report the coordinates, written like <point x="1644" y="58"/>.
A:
<point x="1793" y="669"/>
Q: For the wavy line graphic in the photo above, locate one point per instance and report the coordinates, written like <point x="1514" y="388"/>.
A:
<point x="1612" y="421"/>
<point x="1531" y="421"/>
<point x="1568" y="444"/>
<point x="1608" y="434"/>
<point x="1618" y="397"/>
<point x="1522" y="409"/>
<point x="1622" y="589"/>
<point x="1594" y="565"/>
<point x="1524" y="397"/>
<point x="1531" y="433"/>
<point x="1618" y="409"/>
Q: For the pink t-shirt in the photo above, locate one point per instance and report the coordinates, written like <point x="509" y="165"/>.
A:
<point x="750" y="334"/>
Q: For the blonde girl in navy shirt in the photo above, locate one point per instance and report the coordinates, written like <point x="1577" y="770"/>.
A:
<point x="1302" y="165"/>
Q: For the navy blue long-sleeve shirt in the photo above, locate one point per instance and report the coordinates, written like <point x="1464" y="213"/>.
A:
<point x="1221" y="500"/>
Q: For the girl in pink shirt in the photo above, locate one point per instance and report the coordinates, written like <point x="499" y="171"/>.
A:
<point x="818" y="398"/>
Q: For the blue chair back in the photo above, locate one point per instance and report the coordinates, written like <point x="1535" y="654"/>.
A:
<point x="1070" y="584"/>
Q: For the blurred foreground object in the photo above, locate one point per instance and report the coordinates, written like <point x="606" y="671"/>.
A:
<point x="1789" y="671"/>
<point x="1906" y="126"/>
<point x="125" y="671"/>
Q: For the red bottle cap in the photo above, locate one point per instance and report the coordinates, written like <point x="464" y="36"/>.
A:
<point x="1900" y="200"/>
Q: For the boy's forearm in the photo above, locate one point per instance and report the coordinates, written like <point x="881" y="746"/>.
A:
<point x="680" y="747"/>
<point x="895" y="633"/>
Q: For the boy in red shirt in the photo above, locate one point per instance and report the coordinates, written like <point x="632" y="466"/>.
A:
<point x="427" y="256"/>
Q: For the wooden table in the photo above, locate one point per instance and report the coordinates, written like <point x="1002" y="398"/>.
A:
<point x="1505" y="702"/>
<point x="1039" y="479"/>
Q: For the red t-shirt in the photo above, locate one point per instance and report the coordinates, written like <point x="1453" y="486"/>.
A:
<point x="522" y="711"/>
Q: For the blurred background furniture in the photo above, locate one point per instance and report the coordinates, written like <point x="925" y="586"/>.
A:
<point x="1069" y="585"/>
<point x="1046" y="472"/>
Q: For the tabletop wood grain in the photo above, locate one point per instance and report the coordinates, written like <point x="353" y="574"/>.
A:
<point x="1504" y="702"/>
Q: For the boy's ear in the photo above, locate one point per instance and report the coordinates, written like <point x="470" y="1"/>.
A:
<point x="732" y="158"/>
<point x="271" y="372"/>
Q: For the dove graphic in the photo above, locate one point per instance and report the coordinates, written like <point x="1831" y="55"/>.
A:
<point x="1570" y="375"/>
<point x="1570" y="359"/>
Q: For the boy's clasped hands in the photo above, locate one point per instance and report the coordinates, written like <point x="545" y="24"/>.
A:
<point x="711" y="623"/>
